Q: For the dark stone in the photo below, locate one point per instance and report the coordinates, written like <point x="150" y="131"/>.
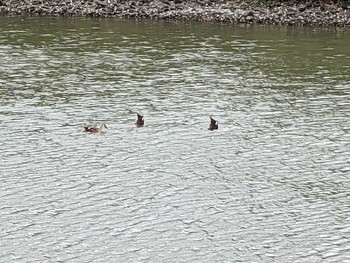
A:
<point x="302" y="7"/>
<point x="249" y="13"/>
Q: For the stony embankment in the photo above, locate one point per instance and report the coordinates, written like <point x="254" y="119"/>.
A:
<point x="314" y="13"/>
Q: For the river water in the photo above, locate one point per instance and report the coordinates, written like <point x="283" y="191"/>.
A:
<point x="270" y="185"/>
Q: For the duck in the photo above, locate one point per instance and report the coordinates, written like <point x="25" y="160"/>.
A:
<point x="213" y="124"/>
<point x="103" y="128"/>
<point x="140" y="121"/>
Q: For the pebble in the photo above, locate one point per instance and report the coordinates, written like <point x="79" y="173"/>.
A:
<point x="315" y="13"/>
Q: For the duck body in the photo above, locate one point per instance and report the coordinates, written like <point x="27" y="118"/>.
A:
<point x="213" y="124"/>
<point x="140" y="122"/>
<point x="103" y="128"/>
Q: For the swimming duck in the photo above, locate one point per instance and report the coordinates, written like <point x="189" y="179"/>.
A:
<point x="213" y="124"/>
<point x="140" y="121"/>
<point x="103" y="128"/>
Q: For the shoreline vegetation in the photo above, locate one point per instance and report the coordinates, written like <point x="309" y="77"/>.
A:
<point x="270" y="12"/>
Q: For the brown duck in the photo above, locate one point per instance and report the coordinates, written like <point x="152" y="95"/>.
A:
<point x="213" y="124"/>
<point x="103" y="128"/>
<point x="140" y="121"/>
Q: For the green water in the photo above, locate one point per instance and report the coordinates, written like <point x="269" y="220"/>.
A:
<point x="270" y="185"/>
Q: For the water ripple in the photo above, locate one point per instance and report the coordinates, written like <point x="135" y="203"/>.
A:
<point x="269" y="185"/>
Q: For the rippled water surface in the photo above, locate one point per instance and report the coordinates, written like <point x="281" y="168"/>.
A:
<point x="271" y="185"/>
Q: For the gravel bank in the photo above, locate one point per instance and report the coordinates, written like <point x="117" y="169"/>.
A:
<point x="301" y="13"/>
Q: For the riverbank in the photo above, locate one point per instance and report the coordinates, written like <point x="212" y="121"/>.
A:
<point x="312" y="13"/>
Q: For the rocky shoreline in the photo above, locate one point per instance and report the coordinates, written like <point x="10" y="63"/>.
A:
<point x="298" y="13"/>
